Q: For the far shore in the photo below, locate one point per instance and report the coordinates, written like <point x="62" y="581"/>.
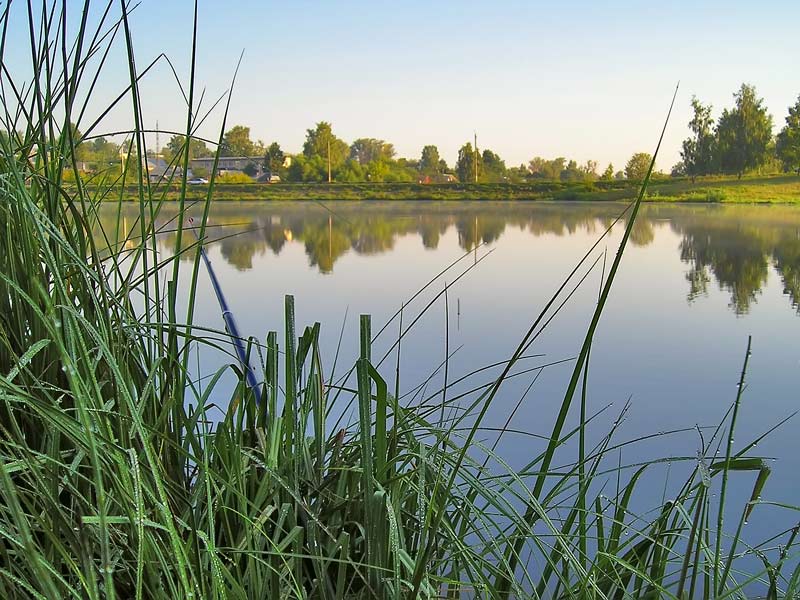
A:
<point x="781" y="189"/>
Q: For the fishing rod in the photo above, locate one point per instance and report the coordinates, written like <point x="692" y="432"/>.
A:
<point x="230" y="322"/>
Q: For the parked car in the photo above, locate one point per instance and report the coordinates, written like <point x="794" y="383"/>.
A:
<point x="198" y="181"/>
<point x="269" y="178"/>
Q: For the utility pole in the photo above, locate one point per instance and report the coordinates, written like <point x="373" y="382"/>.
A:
<point x="329" y="160"/>
<point x="123" y="156"/>
<point x="476" y="156"/>
<point x="158" y="143"/>
<point x="475" y="253"/>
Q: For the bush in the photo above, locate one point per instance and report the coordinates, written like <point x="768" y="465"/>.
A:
<point x="234" y="178"/>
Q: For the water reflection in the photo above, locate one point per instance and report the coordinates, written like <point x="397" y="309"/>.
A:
<point x="736" y="248"/>
<point x="732" y="246"/>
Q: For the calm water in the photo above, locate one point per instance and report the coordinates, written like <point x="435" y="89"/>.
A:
<point x="694" y="283"/>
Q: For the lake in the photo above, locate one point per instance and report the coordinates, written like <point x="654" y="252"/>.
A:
<point x="694" y="283"/>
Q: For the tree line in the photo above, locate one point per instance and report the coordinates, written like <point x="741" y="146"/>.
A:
<point x="740" y="141"/>
<point x="326" y="157"/>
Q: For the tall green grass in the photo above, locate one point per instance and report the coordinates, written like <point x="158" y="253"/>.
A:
<point x="117" y="482"/>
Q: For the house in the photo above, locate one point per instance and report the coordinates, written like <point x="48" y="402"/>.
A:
<point x="229" y="164"/>
<point x="159" y="170"/>
<point x="438" y="178"/>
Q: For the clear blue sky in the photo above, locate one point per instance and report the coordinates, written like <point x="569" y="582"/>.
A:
<point x="585" y="80"/>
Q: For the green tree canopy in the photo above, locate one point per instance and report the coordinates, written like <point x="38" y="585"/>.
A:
<point x="350" y="172"/>
<point x="608" y="174"/>
<point x="542" y="168"/>
<point x="518" y="174"/>
<point x="274" y="158"/>
<point x="465" y="165"/>
<point x="788" y="143"/>
<point x="571" y="172"/>
<point x="589" y="170"/>
<point x="698" y="150"/>
<point x="429" y="163"/>
<point x="237" y="142"/>
<point x="637" y="166"/>
<point x="308" y="169"/>
<point x="103" y="147"/>
<point x="174" y="147"/>
<point x="494" y="167"/>
<point x="322" y="144"/>
<point x="367" y="150"/>
<point x="73" y="144"/>
<point x="744" y="133"/>
<point x="97" y="154"/>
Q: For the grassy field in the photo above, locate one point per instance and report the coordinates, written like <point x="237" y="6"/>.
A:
<point x="117" y="482"/>
<point x="751" y="190"/>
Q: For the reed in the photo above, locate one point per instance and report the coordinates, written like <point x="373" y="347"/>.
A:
<point x="116" y="482"/>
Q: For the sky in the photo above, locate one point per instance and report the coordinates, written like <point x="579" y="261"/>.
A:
<point x="583" y="80"/>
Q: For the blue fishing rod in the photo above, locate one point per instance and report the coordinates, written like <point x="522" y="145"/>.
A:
<point x="230" y="322"/>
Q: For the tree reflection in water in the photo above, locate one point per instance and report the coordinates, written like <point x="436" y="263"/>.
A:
<point x="735" y="246"/>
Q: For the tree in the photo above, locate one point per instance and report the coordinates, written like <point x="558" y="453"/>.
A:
<point x="308" y="169"/>
<point x="174" y="147"/>
<point x="571" y="172"/>
<point x="429" y="162"/>
<point x="367" y="150"/>
<point x="678" y="169"/>
<point x="589" y="170"/>
<point x="744" y="133"/>
<point x="237" y="142"/>
<point x="465" y="165"/>
<point x="73" y="144"/>
<point x="547" y="169"/>
<point x="274" y="158"/>
<point x="518" y="174"/>
<point x="494" y="167"/>
<point x="608" y="174"/>
<point x="402" y="170"/>
<point x="698" y="150"/>
<point x="99" y="153"/>
<point x="102" y="147"/>
<point x="377" y="171"/>
<point x="788" y="143"/>
<point x="322" y="145"/>
<point x="638" y="165"/>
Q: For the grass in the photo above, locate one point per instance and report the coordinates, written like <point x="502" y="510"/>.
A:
<point x="117" y="482"/>
<point x="783" y="189"/>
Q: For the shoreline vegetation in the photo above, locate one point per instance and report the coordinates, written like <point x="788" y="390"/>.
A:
<point x="128" y="472"/>
<point x="781" y="189"/>
<point x="741" y="143"/>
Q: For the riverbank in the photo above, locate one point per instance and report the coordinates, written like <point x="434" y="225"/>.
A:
<point x="784" y="189"/>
